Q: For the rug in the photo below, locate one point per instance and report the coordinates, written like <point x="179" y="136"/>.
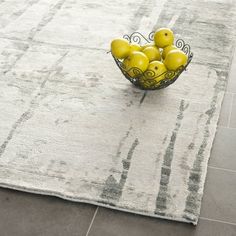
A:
<point x="70" y="124"/>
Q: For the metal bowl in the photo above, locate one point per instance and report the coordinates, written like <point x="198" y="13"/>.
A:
<point x="147" y="80"/>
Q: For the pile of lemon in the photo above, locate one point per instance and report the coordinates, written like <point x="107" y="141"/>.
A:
<point x="158" y="57"/>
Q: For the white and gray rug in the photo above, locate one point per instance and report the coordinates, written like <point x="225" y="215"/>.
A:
<point x="73" y="127"/>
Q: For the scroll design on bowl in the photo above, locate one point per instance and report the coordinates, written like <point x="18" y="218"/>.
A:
<point x="136" y="37"/>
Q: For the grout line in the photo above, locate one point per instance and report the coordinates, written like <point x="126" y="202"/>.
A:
<point x="224" y="169"/>
<point x="230" y="110"/>
<point x="91" y="223"/>
<point x="219" y="221"/>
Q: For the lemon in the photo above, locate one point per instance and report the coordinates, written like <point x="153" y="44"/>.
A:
<point x="159" y="70"/>
<point x="166" y="50"/>
<point x="147" y="45"/>
<point x="135" y="47"/>
<point x="163" y="37"/>
<point x="136" y="62"/>
<point x="126" y="63"/>
<point x="174" y="59"/>
<point x="120" y="48"/>
<point x="153" y="53"/>
<point x="154" y="73"/>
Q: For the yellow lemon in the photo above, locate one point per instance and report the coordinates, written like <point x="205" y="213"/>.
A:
<point x="137" y="62"/>
<point x="166" y="50"/>
<point x="154" y="73"/>
<point x="147" y="45"/>
<point x="174" y="59"/>
<point x="158" y="68"/>
<point x="163" y="37"/>
<point x="126" y="63"/>
<point x="120" y="48"/>
<point x="135" y="47"/>
<point x="153" y="53"/>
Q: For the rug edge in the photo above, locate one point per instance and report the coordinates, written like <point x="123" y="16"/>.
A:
<point x="95" y="203"/>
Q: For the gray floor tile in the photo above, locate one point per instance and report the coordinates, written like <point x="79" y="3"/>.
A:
<point x="23" y="214"/>
<point x="115" y="223"/>
<point x="233" y="113"/>
<point x="224" y="149"/>
<point x="219" y="196"/>
<point x="232" y="76"/>
<point x="225" y="109"/>
<point x="231" y="87"/>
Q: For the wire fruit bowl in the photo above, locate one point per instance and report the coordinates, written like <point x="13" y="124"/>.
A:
<point x="147" y="80"/>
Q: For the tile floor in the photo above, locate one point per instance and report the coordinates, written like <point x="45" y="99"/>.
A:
<point x="23" y="214"/>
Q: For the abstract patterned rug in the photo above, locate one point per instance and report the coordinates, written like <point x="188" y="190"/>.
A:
<point x="73" y="127"/>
